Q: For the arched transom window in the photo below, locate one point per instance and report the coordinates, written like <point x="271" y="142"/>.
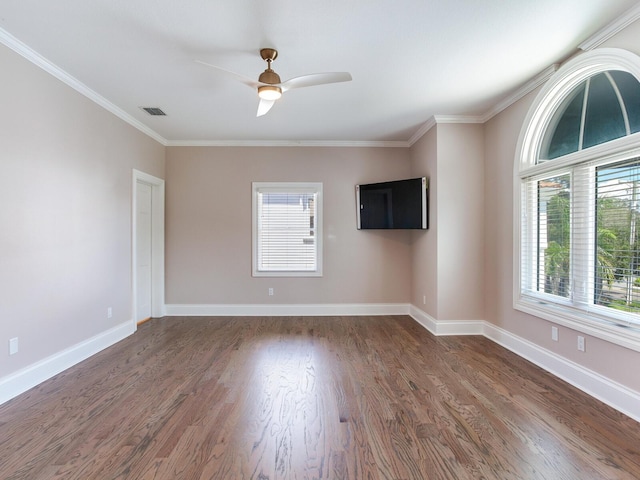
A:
<point x="603" y="107"/>
<point x="578" y="179"/>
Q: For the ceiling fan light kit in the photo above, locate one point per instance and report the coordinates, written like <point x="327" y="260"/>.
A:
<point x="270" y="87"/>
<point x="269" y="92"/>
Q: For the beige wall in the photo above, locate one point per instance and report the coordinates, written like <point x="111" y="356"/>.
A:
<point x="448" y="261"/>
<point x="208" y="222"/>
<point x="501" y="136"/>
<point x="424" y="252"/>
<point x="460" y="222"/>
<point x="65" y="240"/>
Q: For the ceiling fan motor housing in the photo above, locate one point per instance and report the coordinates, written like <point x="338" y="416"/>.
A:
<point x="269" y="76"/>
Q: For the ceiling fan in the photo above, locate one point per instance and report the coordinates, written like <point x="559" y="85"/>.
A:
<point x="269" y="86"/>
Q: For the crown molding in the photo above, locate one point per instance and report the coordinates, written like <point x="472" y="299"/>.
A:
<point x="442" y="119"/>
<point x="436" y="119"/>
<point x="499" y="107"/>
<point x="426" y="126"/>
<point x="21" y="49"/>
<point x="287" y="143"/>
<point x="527" y="88"/>
<point x="458" y="119"/>
<point x="610" y="30"/>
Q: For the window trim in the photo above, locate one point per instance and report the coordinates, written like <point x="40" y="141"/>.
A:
<point x="536" y="122"/>
<point x="302" y="187"/>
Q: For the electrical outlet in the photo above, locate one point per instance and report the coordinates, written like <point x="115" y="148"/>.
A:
<point x="271" y="292"/>
<point x="554" y="334"/>
<point x="424" y="299"/>
<point x="580" y="343"/>
<point x="109" y="312"/>
<point x="13" y="346"/>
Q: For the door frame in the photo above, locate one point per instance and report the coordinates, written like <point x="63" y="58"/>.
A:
<point x="157" y="244"/>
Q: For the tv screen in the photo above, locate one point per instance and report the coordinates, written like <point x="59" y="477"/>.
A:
<point x="400" y="204"/>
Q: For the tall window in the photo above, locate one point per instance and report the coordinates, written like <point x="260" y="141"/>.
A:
<point x="287" y="229"/>
<point x="579" y="182"/>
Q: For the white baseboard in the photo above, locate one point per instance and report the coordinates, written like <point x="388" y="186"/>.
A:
<point x="598" y="386"/>
<point x="288" y="310"/>
<point x="446" y="327"/>
<point x="607" y="391"/>
<point x="19" y="382"/>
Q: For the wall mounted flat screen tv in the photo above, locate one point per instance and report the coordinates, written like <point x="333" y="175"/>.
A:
<point x="400" y="204"/>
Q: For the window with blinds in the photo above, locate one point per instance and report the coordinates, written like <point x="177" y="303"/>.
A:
<point x="287" y="229"/>
<point x="580" y="209"/>
<point x="582" y="248"/>
<point x="617" y="246"/>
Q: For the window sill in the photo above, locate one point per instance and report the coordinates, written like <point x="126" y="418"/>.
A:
<point x="286" y="274"/>
<point x="628" y="337"/>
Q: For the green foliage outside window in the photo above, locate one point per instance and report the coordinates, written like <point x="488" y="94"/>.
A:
<point x="617" y="264"/>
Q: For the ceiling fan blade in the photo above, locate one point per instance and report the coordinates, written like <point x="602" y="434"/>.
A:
<point x="315" y="79"/>
<point x="241" y="78"/>
<point x="264" y="106"/>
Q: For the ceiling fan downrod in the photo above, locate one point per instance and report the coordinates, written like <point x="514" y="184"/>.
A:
<point x="269" y="76"/>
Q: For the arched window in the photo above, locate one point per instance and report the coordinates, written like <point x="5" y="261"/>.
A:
<point x="603" y="107"/>
<point x="578" y="184"/>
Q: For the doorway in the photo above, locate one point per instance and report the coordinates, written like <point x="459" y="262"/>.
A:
<point x="147" y="247"/>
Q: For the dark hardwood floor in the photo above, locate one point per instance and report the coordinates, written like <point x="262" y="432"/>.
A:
<point x="305" y="398"/>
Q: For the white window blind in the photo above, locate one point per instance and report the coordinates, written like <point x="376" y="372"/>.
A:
<point x="617" y="238"/>
<point x="287" y="221"/>
<point x="580" y="239"/>
<point x="547" y="236"/>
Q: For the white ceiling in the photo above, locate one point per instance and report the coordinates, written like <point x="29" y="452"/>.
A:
<point x="410" y="59"/>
